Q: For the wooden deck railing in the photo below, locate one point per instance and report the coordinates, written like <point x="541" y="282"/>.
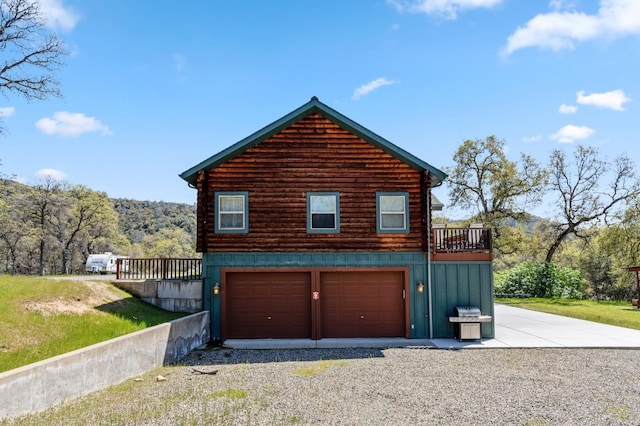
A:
<point x="462" y="240"/>
<point x="158" y="268"/>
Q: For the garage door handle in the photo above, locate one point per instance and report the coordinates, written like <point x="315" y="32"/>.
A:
<point x="269" y="318"/>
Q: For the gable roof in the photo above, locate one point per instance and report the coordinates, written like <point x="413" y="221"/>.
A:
<point x="314" y="106"/>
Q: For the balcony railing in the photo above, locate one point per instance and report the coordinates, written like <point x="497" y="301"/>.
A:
<point x="462" y="243"/>
<point x="159" y="268"/>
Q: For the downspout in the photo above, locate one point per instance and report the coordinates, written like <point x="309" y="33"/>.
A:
<point x="429" y="252"/>
<point x="429" y="295"/>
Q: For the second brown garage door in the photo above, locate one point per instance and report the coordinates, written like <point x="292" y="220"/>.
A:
<point x="263" y="305"/>
<point x="362" y="304"/>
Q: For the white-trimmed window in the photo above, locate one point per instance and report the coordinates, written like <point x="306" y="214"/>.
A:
<point x="393" y="212"/>
<point x="232" y="212"/>
<point x="323" y="212"/>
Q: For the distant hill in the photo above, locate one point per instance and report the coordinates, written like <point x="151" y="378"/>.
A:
<point x="140" y="218"/>
<point x="136" y="218"/>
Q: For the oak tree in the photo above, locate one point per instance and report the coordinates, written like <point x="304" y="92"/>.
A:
<point x="589" y="190"/>
<point x="494" y="188"/>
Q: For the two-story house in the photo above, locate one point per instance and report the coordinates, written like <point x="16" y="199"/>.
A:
<point x="316" y="227"/>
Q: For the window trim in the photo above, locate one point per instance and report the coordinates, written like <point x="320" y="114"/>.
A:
<point x="245" y="206"/>
<point x="379" y="213"/>
<point x="310" y="229"/>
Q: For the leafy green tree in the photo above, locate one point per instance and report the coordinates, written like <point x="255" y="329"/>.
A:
<point x="169" y="242"/>
<point x="596" y="268"/>
<point x="589" y="190"/>
<point x="619" y="243"/>
<point x="494" y="188"/>
<point x="85" y="216"/>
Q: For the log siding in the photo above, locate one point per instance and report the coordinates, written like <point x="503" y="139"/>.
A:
<point x="311" y="155"/>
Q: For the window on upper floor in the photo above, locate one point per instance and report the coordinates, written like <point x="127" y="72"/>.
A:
<point x="392" y="212"/>
<point x="232" y="212"/>
<point x="323" y="212"/>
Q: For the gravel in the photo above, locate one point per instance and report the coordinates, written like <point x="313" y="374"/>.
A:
<point x="372" y="387"/>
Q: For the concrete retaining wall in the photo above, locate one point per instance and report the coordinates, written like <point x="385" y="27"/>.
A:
<point x="40" y="385"/>
<point x="170" y="295"/>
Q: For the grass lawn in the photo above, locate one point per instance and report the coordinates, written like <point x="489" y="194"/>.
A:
<point x="41" y="317"/>
<point x="621" y="314"/>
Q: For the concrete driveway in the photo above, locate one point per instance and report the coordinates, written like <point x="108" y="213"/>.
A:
<point x="515" y="328"/>
<point x="522" y="328"/>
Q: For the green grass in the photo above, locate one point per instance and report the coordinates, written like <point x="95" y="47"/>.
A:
<point x="318" y="367"/>
<point x="621" y="314"/>
<point x="41" y="318"/>
<point x="229" y="393"/>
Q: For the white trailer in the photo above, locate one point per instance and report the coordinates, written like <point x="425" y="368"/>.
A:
<point x="103" y="263"/>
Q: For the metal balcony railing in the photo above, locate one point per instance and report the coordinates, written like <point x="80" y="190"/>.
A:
<point x="158" y="268"/>
<point x="461" y="240"/>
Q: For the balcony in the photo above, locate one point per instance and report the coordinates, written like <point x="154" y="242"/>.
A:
<point x="461" y="244"/>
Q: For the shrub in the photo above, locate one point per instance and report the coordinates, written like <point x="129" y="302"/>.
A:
<point x="540" y="280"/>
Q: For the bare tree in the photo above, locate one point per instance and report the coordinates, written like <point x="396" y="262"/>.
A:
<point x="13" y="230"/>
<point x="44" y="202"/>
<point x="31" y="54"/>
<point x="589" y="190"/>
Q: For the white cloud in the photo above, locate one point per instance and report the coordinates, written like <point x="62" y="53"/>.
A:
<point x="446" y="8"/>
<point x="7" y="111"/>
<point x="614" y="100"/>
<point x="71" y="124"/>
<point x="52" y="174"/>
<point x="571" y="133"/>
<point x="365" y="89"/>
<point x="59" y="18"/>
<point x="559" y="30"/>
<point x="532" y="139"/>
<point x="567" y="109"/>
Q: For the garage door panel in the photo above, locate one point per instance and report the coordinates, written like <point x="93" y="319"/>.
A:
<point x="268" y="304"/>
<point x="362" y="304"/>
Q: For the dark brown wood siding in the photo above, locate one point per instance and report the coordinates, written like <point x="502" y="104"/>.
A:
<point x="313" y="154"/>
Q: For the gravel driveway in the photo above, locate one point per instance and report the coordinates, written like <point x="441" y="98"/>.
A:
<point x="406" y="386"/>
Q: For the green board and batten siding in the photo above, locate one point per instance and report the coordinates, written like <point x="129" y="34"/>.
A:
<point x="451" y="282"/>
<point x="461" y="284"/>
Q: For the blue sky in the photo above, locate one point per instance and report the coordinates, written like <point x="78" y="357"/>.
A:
<point x="152" y="88"/>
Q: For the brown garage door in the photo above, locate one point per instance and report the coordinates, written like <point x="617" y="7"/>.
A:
<point x="362" y="304"/>
<point x="264" y="305"/>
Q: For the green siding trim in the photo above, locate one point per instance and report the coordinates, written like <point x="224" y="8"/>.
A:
<point x="461" y="284"/>
<point x="212" y="263"/>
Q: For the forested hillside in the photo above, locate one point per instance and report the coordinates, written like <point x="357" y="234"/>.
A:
<point x="139" y="218"/>
<point x="52" y="227"/>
